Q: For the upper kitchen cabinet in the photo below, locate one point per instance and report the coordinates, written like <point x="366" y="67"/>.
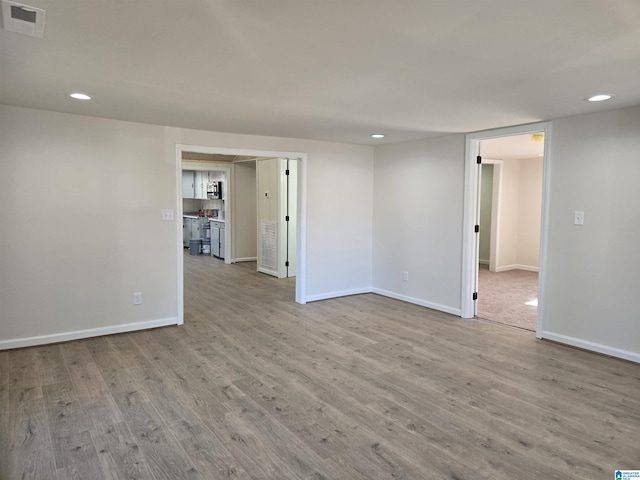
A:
<point x="188" y="184"/>
<point x="201" y="180"/>
<point x="194" y="184"/>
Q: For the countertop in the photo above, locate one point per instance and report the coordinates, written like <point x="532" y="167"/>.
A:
<point x="195" y="215"/>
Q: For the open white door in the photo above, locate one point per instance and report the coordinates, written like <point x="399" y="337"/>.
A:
<point x="290" y="207"/>
<point x="277" y="180"/>
<point x="470" y="237"/>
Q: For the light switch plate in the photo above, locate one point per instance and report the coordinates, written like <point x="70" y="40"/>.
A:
<point x="167" y="214"/>
<point x="578" y="218"/>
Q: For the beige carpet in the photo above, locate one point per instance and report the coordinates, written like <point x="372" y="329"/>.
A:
<point x="503" y="297"/>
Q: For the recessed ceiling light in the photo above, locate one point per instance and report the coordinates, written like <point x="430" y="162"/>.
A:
<point x="377" y="135"/>
<point x="600" y="97"/>
<point x="80" y="96"/>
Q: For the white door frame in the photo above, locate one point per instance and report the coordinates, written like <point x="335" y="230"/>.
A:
<point x="301" y="233"/>
<point x="469" y="237"/>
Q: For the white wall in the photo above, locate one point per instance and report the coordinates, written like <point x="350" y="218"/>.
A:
<point x="486" y="203"/>
<point x="509" y="210"/>
<point x="81" y="213"/>
<point x="81" y="201"/>
<point x="593" y="272"/>
<point x="530" y="212"/>
<point x="417" y="224"/>
<point x="520" y="214"/>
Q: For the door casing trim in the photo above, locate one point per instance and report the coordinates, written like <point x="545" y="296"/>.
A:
<point x="469" y="242"/>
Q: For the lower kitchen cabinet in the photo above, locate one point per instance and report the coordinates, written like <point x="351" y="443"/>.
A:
<point x="217" y="239"/>
<point x="186" y="232"/>
<point x="191" y="228"/>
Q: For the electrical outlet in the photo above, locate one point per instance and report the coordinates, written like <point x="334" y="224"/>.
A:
<point x="137" y="298"/>
<point x="405" y="276"/>
<point x="167" y="214"/>
<point x="578" y="218"/>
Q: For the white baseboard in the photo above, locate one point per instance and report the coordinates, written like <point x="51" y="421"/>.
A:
<point x="483" y="262"/>
<point x="343" y="293"/>
<point x="417" y="301"/>
<point x="78" y="334"/>
<point x="246" y="259"/>
<point x="529" y="268"/>
<point x="594" y="347"/>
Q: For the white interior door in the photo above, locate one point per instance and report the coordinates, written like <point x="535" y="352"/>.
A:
<point x="291" y="214"/>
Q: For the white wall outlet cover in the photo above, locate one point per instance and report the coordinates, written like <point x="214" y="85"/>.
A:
<point x="578" y="217"/>
<point x="167" y="214"/>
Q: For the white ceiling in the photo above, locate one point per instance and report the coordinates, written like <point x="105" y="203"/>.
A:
<point x="334" y="70"/>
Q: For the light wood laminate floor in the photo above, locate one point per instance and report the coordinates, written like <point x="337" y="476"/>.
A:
<point x="254" y="386"/>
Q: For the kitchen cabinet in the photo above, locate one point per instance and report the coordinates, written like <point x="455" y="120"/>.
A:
<point x="194" y="184"/>
<point x="188" y="184"/>
<point x="217" y="239"/>
<point x="222" y="254"/>
<point x="191" y="228"/>
<point x="186" y="231"/>
<point x="200" y="185"/>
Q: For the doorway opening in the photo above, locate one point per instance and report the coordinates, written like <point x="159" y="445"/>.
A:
<point x="204" y="205"/>
<point x="509" y="219"/>
<point x="235" y="201"/>
<point x="505" y="232"/>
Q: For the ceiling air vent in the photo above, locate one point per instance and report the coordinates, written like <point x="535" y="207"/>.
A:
<point x="23" y="18"/>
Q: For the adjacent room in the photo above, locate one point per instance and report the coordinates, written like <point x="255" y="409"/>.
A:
<point x="510" y="229"/>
